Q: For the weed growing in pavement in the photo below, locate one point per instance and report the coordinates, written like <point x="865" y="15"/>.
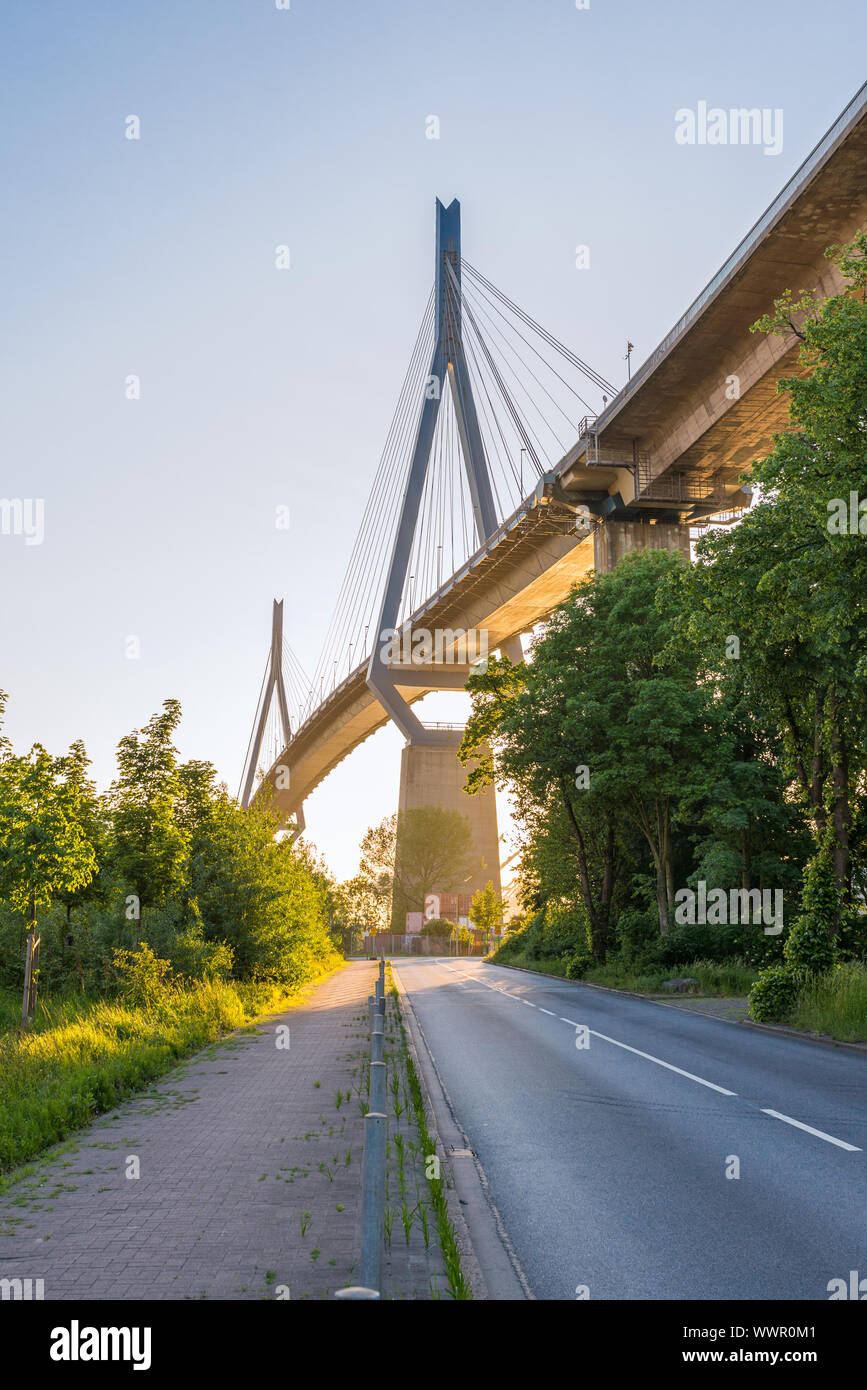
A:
<point x="406" y="1216"/>
<point x="458" y="1286"/>
<point x="422" y="1211"/>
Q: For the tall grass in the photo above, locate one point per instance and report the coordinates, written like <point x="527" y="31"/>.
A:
<point x="84" y="1055"/>
<point x="458" y="1284"/>
<point x="730" y="979"/>
<point x="835" y="1004"/>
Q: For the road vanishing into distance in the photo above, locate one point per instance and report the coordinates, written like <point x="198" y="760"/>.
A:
<point x="607" y="1163"/>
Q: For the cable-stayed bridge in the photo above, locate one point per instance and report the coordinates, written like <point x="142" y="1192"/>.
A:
<point x="513" y="468"/>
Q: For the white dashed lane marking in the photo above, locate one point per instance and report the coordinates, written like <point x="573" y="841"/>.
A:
<point x="819" y="1133"/>
<point x="500" y="988"/>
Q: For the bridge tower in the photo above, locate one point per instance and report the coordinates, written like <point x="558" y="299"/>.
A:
<point x="273" y="687"/>
<point x="430" y="772"/>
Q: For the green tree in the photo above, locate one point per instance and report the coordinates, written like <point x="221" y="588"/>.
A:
<point x="46" y="849"/>
<point x="486" y="910"/>
<point x="363" y="905"/>
<point x="261" y="895"/>
<point x="788" y="583"/>
<point x="148" y="803"/>
<point x="373" y="886"/>
<point x="605" y="720"/>
<point x="91" y="815"/>
<point x="434" y="853"/>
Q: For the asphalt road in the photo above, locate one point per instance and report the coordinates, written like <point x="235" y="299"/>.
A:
<point x="608" y="1163"/>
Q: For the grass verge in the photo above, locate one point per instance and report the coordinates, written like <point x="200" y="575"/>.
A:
<point x="731" y="979"/>
<point x="84" y="1056"/>
<point x="458" y="1286"/>
<point x="835" y="1004"/>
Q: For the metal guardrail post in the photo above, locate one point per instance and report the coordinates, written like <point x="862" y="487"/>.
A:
<point x="372" y="1199"/>
<point x="373" y="1160"/>
<point x="377" y="1087"/>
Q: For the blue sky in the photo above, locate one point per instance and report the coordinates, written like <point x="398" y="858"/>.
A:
<point x="262" y="388"/>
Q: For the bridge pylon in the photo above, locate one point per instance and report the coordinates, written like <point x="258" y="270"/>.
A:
<point x="273" y="686"/>
<point x="448" y="371"/>
<point x="430" y="772"/>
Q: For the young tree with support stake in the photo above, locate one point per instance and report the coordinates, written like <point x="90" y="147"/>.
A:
<point x="46" y="849"/>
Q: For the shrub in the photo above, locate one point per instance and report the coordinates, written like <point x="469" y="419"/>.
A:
<point x="810" y="948"/>
<point x="578" y="964"/>
<point x="144" y="979"/>
<point x="199" y="959"/>
<point x="512" y="946"/>
<point x="637" y="935"/>
<point x="437" y="926"/>
<point x="852" y="941"/>
<point x="758" y="949"/>
<point x="701" y="941"/>
<point x="773" y="995"/>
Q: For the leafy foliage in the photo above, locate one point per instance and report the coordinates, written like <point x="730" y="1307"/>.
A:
<point x="773" y="995"/>
<point x="222" y="897"/>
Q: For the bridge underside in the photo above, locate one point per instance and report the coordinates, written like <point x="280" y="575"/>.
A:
<point x="517" y="579"/>
<point x="666" y="452"/>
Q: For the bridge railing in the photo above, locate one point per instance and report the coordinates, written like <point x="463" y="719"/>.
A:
<point x="374" y="1156"/>
<point x="847" y="118"/>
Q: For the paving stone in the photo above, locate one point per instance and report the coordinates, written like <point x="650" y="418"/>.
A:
<point x="208" y="1215"/>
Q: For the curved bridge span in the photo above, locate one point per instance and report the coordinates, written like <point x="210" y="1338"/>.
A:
<point x="663" y="456"/>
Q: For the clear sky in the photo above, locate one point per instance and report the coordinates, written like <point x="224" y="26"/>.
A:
<point x="263" y="387"/>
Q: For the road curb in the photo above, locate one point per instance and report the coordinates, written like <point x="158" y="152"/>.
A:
<point x="805" y="1037"/>
<point x="777" y="1028"/>
<point x="478" y="1224"/>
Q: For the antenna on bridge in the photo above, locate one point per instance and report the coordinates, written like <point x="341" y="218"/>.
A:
<point x="273" y="683"/>
<point x="448" y="363"/>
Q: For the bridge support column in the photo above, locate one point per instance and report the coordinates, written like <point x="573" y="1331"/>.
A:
<point x="432" y="776"/>
<point x="614" y="539"/>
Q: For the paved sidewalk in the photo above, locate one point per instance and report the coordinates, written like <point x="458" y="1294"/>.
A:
<point x="714" y="1006"/>
<point x="250" y="1171"/>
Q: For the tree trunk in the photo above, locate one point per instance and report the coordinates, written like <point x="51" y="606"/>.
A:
<point x="812" y="783"/>
<point x="841" y="812"/>
<point x="661" y="900"/>
<point x="597" y="913"/>
<point x="747" y="866"/>
<point x="665" y="884"/>
<point x="31" y="968"/>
